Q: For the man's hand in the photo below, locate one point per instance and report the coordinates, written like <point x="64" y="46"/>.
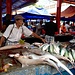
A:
<point x="43" y="40"/>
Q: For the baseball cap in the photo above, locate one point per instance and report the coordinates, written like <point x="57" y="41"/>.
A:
<point x="18" y="17"/>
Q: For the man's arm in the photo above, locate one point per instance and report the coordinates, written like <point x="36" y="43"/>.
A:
<point x="37" y="36"/>
<point x="2" y="40"/>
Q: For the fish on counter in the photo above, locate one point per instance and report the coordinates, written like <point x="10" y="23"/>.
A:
<point x="53" y="58"/>
<point x="28" y="60"/>
<point x="43" y="59"/>
<point x="37" y="44"/>
<point x="65" y="59"/>
<point x="11" y="47"/>
<point x="59" y="49"/>
<point x="73" y="54"/>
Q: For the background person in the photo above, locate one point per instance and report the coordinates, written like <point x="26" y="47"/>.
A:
<point x="50" y="29"/>
<point x="6" y="22"/>
<point x="67" y="25"/>
<point x="63" y="28"/>
<point x="39" y="28"/>
<point x="16" y="30"/>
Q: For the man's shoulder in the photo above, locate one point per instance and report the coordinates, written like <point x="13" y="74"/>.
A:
<point x="11" y="25"/>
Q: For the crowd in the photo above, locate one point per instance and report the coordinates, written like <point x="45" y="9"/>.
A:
<point x="67" y="27"/>
<point x="13" y="31"/>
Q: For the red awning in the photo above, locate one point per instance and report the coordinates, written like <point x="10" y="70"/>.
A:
<point x="70" y="11"/>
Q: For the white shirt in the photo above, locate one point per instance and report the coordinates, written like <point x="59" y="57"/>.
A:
<point x="67" y="26"/>
<point x="16" y="33"/>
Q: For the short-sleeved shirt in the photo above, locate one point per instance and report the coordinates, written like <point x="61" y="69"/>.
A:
<point x="16" y="33"/>
<point x="50" y="28"/>
<point x="63" y="29"/>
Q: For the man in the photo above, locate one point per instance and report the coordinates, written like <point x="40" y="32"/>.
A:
<point x="50" y="29"/>
<point x="14" y="32"/>
<point x="67" y="25"/>
<point x="39" y="28"/>
<point x="63" y="28"/>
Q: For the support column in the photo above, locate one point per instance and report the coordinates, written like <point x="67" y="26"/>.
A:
<point x="9" y="7"/>
<point x="0" y="15"/>
<point x="58" y="14"/>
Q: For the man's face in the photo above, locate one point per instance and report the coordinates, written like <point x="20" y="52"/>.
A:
<point x="19" y="22"/>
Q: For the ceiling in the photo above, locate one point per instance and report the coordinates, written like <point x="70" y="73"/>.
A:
<point x="68" y="1"/>
<point x="17" y="4"/>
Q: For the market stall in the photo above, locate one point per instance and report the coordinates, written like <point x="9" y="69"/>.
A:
<point x="29" y="49"/>
<point x="63" y="38"/>
<point x="60" y="38"/>
<point x="66" y="68"/>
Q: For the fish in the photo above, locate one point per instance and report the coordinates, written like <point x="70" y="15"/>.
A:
<point x="63" y="50"/>
<point x="11" y="47"/>
<point x="73" y="53"/>
<point x="49" y="56"/>
<point x="58" y="62"/>
<point x="40" y="60"/>
<point x="44" y="47"/>
<point x="33" y="59"/>
<point x="54" y="65"/>
<point x="56" y="49"/>
<point x="71" y="57"/>
<point x="64" y="58"/>
<point x="66" y="53"/>
<point x="51" y="50"/>
<point x="25" y="61"/>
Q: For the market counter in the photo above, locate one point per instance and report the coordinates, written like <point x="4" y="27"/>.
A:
<point x="63" y="38"/>
<point x="60" y="38"/>
<point x="16" y="69"/>
<point x="37" y="70"/>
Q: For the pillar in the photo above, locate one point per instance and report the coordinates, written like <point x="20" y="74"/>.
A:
<point x="58" y="14"/>
<point x="0" y="15"/>
<point x="9" y="7"/>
